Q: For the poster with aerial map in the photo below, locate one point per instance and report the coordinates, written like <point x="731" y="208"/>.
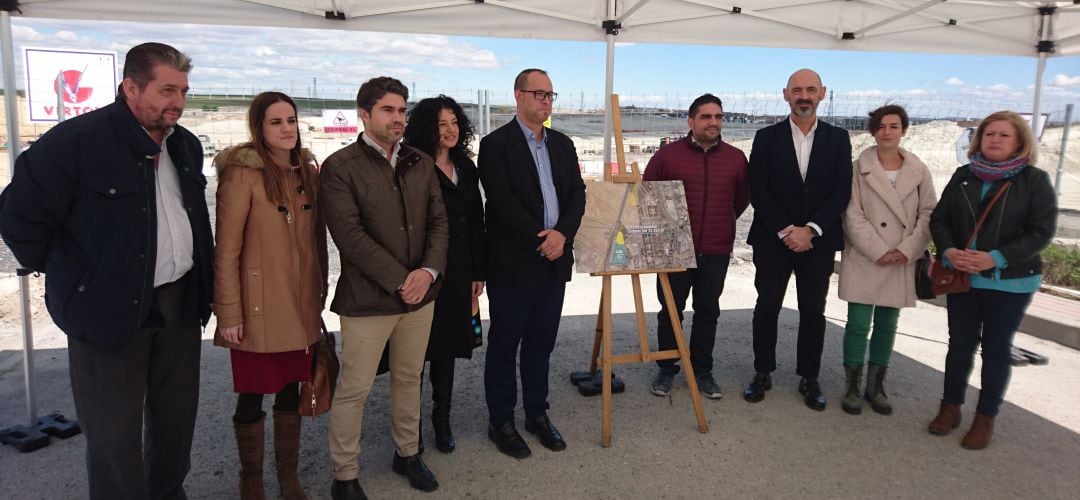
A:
<point x="634" y="227"/>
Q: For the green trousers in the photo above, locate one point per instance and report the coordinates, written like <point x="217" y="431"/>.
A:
<point x="858" y="327"/>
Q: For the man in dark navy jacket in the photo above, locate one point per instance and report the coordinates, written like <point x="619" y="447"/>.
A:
<point x="535" y="201"/>
<point x="800" y="184"/>
<point x="713" y="173"/>
<point x="111" y="206"/>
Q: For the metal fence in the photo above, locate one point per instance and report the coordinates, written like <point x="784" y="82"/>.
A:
<point x="648" y="120"/>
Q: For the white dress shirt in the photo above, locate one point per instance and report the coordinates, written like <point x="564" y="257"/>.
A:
<point x="804" y="144"/>
<point x="175" y="245"/>
<point x="392" y="158"/>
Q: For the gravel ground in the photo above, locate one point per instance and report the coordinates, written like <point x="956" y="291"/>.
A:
<point x="773" y="449"/>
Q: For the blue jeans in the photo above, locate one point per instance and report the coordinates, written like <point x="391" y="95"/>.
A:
<point x="707" y="282"/>
<point x="991" y="318"/>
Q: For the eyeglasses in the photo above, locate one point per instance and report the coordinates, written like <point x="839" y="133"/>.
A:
<point x="540" y="95"/>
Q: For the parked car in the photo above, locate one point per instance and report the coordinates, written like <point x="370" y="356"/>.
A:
<point x="962" y="143"/>
<point x="208" y="147"/>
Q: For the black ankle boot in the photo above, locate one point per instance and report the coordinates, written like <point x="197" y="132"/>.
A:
<point x="440" y="422"/>
<point x="442" y="386"/>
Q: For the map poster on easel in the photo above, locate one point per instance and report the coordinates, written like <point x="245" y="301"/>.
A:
<point x="634" y="227"/>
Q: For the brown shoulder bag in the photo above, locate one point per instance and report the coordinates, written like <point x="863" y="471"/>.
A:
<point x="316" y="394"/>
<point x="947" y="280"/>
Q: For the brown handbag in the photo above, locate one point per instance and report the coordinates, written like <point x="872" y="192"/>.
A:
<point x="316" y="394"/>
<point x="947" y="280"/>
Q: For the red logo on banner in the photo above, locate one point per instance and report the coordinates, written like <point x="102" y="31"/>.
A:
<point x="71" y="91"/>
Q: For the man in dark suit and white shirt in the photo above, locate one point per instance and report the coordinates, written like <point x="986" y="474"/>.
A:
<point x="800" y="184"/>
<point x="535" y="201"/>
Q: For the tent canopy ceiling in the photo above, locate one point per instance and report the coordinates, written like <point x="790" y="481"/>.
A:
<point x="997" y="27"/>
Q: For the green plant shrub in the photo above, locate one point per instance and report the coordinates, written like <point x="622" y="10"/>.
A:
<point x="1061" y="266"/>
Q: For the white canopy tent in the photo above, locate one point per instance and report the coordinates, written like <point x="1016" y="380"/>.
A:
<point x="997" y="27"/>
<point x="1038" y="29"/>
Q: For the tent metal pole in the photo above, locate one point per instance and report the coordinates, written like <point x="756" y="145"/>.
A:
<point x="1045" y="46"/>
<point x="61" y="85"/>
<point x="629" y="12"/>
<point x="11" y="104"/>
<point x="1064" y="148"/>
<point x="480" y="114"/>
<point x="11" y="99"/>
<point x="907" y="13"/>
<point x="1040" y="68"/>
<point x="609" y="88"/>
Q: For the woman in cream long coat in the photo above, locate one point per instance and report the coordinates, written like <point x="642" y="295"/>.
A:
<point x="886" y="229"/>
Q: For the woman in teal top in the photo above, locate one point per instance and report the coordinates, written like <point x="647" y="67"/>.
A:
<point x="1003" y="263"/>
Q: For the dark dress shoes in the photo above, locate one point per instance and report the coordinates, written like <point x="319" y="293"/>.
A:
<point x="541" y="427"/>
<point x="508" y="441"/>
<point x="811" y="390"/>
<point x="420" y="477"/>
<point x="756" y="390"/>
<point x="347" y="490"/>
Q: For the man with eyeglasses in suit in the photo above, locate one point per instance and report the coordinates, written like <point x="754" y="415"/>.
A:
<point x="535" y="201"/>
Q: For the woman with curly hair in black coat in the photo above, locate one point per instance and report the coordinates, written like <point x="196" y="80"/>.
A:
<point x="439" y="127"/>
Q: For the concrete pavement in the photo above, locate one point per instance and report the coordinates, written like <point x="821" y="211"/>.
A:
<point x="774" y="449"/>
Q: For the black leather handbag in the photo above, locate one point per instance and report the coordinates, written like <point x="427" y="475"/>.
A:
<point x="924" y="285"/>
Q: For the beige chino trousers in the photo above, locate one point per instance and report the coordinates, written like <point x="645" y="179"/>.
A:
<point x="362" y="341"/>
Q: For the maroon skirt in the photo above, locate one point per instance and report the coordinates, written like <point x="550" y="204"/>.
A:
<point x="268" y="373"/>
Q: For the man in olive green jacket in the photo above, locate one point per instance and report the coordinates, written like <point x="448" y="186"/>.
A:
<point x="384" y="210"/>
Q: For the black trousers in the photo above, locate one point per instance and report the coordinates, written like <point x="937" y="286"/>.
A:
<point x="707" y="282"/>
<point x="812" y="269"/>
<point x="527" y="318"/>
<point x="136" y="403"/>
<point x="441" y="376"/>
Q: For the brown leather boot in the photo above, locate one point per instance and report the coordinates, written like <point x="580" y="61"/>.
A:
<point x="287" y="453"/>
<point x="978" y="437"/>
<point x="947" y="419"/>
<point x="249" y="445"/>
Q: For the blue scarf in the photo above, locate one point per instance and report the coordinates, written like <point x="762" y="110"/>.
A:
<point x="990" y="171"/>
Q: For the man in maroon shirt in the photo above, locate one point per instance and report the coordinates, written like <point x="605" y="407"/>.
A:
<point x="714" y="176"/>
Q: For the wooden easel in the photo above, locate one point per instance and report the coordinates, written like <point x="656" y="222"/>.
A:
<point x="620" y="157"/>
<point x="604" y="316"/>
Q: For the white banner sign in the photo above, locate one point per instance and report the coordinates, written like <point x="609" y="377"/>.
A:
<point x="85" y="80"/>
<point x="340" y="121"/>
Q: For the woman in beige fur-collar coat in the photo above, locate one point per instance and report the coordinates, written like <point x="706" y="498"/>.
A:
<point x="886" y="229"/>
<point x="270" y="274"/>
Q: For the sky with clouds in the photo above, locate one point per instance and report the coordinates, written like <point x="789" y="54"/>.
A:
<point x="245" y="58"/>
